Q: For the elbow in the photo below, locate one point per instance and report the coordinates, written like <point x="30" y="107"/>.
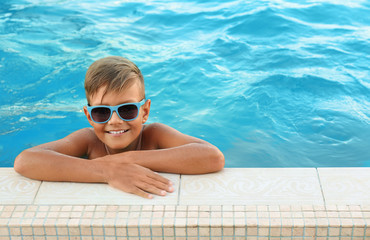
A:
<point x="19" y="164"/>
<point x="218" y="161"/>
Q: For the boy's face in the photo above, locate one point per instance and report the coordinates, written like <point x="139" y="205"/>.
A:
<point x="111" y="132"/>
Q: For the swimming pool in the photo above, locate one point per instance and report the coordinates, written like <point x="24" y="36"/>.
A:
<point x="272" y="84"/>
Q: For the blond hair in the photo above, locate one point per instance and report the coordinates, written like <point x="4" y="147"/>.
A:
<point x="115" y="73"/>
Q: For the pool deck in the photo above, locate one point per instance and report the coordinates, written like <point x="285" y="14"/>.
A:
<point x="236" y="203"/>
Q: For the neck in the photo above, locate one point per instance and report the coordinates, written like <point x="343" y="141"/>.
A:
<point x="134" y="146"/>
<point x="106" y="149"/>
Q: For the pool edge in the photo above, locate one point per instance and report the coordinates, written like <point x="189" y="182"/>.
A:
<point x="174" y="221"/>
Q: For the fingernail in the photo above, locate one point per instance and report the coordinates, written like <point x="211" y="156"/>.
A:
<point x="163" y="193"/>
<point x="171" y="189"/>
<point x="150" y="196"/>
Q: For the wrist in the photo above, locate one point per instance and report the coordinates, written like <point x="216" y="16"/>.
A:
<point x="104" y="167"/>
<point x="128" y="157"/>
<point x="101" y="168"/>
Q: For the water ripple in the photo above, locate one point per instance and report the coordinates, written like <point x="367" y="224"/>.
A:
<point x="272" y="83"/>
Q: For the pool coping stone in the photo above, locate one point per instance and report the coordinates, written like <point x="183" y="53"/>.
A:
<point x="25" y="212"/>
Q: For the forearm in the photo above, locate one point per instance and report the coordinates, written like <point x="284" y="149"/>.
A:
<point x="52" y="166"/>
<point x="193" y="158"/>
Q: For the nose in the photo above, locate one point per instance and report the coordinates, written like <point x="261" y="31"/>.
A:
<point x="115" y="118"/>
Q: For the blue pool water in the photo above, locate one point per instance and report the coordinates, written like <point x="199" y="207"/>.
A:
<point x="271" y="83"/>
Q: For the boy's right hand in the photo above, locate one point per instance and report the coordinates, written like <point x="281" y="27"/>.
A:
<point x="135" y="179"/>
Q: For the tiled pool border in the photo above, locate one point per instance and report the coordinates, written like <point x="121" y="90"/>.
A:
<point x="183" y="222"/>
<point x="258" y="221"/>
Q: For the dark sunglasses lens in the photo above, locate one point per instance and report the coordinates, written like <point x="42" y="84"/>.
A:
<point x="128" y="112"/>
<point x="100" y="114"/>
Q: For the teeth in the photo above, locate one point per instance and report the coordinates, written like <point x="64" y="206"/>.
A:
<point x="117" y="132"/>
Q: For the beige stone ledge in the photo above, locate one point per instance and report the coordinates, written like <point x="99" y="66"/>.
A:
<point x="304" y="203"/>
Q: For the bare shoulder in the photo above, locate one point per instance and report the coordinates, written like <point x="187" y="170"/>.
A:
<point x="84" y="135"/>
<point x="78" y="143"/>
<point x="86" y="140"/>
<point x="158" y="129"/>
<point x="85" y="132"/>
<point x="159" y="136"/>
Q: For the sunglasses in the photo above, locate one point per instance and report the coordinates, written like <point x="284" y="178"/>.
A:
<point x="126" y="111"/>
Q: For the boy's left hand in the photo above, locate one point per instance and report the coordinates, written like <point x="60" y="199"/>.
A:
<point x="135" y="179"/>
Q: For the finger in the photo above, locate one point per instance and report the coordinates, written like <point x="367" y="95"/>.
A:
<point x="160" y="178"/>
<point x="141" y="193"/>
<point x="150" y="188"/>
<point x="162" y="183"/>
<point x="133" y="190"/>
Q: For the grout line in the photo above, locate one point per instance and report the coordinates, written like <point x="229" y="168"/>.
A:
<point x="37" y="192"/>
<point x="179" y="191"/>
<point x="322" y="190"/>
<point x="8" y="222"/>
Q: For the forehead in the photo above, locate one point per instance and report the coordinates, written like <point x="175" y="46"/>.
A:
<point x="132" y="93"/>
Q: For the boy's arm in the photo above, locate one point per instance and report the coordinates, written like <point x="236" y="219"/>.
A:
<point x="58" y="160"/>
<point x="61" y="161"/>
<point x="177" y="153"/>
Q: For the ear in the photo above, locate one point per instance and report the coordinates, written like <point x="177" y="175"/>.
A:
<point x="88" y="116"/>
<point x="146" y="110"/>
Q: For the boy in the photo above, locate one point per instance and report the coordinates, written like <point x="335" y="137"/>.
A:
<point x="121" y="150"/>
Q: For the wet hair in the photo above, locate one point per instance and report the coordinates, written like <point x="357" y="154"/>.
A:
<point x="115" y="73"/>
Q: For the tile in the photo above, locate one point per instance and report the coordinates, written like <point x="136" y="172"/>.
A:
<point x="345" y="186"/>
<point x="100" y="194"/>
<point x="250" y="186"/>
<point x="16" y="189"/>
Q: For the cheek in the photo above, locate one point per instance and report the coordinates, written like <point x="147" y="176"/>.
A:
<point x="98" y="128"/>
<point x="136" y="125"/>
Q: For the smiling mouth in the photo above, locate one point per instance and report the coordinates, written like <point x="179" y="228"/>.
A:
<point x="117" y="132"/>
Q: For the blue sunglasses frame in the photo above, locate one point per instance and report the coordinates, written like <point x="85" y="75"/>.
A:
<point x="115" y="109"/>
